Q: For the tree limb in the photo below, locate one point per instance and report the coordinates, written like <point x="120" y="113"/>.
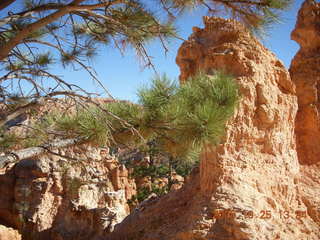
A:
<point x="62" y="10"/>
<point x="14" y="17"/>
<point x="56" y="6"/>
<point x="257" y="3"/>
<point x="16" y="156"/>
<point x="5" y="3"/>
<point x="6" y="48"/>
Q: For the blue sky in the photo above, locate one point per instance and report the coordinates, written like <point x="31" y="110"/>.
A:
<point x="122" y="75"/>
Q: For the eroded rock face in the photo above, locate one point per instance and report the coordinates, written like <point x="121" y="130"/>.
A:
<point x="248" y="186"/>
<point x="60" y="198"/>
<point x="305" y="73"/>
<point x="9" y="234"/>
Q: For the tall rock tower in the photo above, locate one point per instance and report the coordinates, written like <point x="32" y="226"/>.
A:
<point x="305" y="73"/>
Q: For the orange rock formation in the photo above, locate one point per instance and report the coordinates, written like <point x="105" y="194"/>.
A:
<point x="248" y="187"/>
<point x="305" y="73"/>
<point x="59" y="198"/>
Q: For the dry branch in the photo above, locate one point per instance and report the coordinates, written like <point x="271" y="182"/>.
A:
<point x="16" y="156"/>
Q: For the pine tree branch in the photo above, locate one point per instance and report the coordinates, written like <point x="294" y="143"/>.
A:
<point x="56" y="6"/>
<point x="5" y="3"/>
<point x="14" y="17"/>
<point x="88" y="13"/>
<point x="241" y="12"/>
<point x="49" y="44"/>
<point x="41" y="100"/>
<point x="6" y="48"/>
<point x="258" y="3"/>
<point x="16" y="156"/>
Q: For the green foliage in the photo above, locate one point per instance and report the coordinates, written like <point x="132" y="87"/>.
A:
<point x="256" y="14"/>
<point x="259" y="18"/>
<point x="44" y="59"/>
<point x="184" y="165"/>
<point x="6" y="36"/>
<point x="175" y="123"/>
<point x="33" y="141"/>
<point x="89" y="124"/>
<point x="145" y="192"/>
<point x="124" y="110"/>
<point x="184" y="169"/>
<point x="156" y="98"/>
<point x="7" y="140"/>
<point x="17" y="25"/>
<point x="32" y="63"/>
<point x="14" y="101"/>
<point x="150" y="171"/>
<point x="201" y="108"/>
<point x="15" y="66"/>
<point x="197" y="112"/>
<point x="179" y="119"/>
<point x="69" y="57"/>
<point x="39" y="132"/>
<point x="73" y="39"/>
<point x="138" y="24"/>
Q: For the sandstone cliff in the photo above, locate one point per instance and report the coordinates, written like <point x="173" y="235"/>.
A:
<point x="248" y="186"/>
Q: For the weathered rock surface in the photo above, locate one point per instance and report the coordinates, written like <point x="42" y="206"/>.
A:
<point x="9" y="234"/>
<point x="248" y="186"/>
<point x="79" y="197"/>
<point x="305" y="73"/>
